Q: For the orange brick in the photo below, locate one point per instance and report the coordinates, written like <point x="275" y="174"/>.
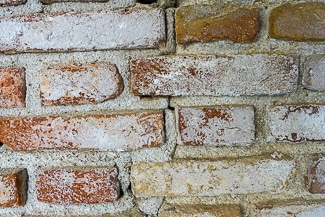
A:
<point x="71" y="84"/>
<point x="13" y="88"/>
<point x="67" y="186"/>
<point x="84" y="132"/>
<point x="299" y="22"/>
<point x="13" y="186"/>
<point x="205" y="23"/>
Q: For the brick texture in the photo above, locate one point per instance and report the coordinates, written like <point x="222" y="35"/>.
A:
<point x="314" y="73"/>
<point x="67" y="186"/>
<point x="211" y="76"/>
<point x="299" y="22"/>
<point x="12" y="2"/>
<point x="57" y="1"/>
<point x="316" y="176"/>
<point x="216" y="125"/>
<point x="71" y="84"/>
<point x="195" y="178"/>
<point x="205" y="23"/>
<point x="83" y="132"/>
<point x="296" y="123"/>
<point x="13" y="187"/>
<point x="313" y="210"/>
<point x="136" y="28"/>
<point x="199" y="210"/>
<point x="13" y="88"/>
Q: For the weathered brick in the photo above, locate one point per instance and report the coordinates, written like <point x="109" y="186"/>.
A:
<point x="12" y="2"/>
<point x="205" y="23"/>
<point x="13" y="87"/>
<point x="216" y="125"/>
<point x="71" y="84"/>
<point x="199" y="210"/>
<point x="314" y="73"/>
<point x="207" y="75"/>
<point x="56" y="1"/>
<point x="290" y="210"/>
<point x="195" y="178"/>
<point x="299" y="22"/>
<point x="68" y="186"/>
<point x="83" y="132"/>
<point x="125" y="29"/>
<point x="13" y="187"/>
<point x="297" y="123"/>
<point x="316" y="176"/>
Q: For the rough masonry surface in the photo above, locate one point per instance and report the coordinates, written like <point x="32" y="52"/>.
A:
<point x="205" y="23"/>
<point x="216" y="125"/>
<point x="13" y="88"/>
<point x="88" y="83"/>
<point x="214" y="76"/>
<point x="136" y="28"/>
<point x="84" y="132"/>
<point x="296" y="123"/>
<point x="195" y="178"/>
<point x="64" y="186"/>
<point x="314" y="72"/>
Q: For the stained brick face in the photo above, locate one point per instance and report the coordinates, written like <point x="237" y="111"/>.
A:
<point x="71" y="84"/>
<point x="13" y="88"/>
<point x="195" y="178"/>
<point x="206" y="23"/>
<point x="216" y="125"/>
<point x="316" y="176"/>
<point x="299" y="22"/>
<point x="314" y="73"/>
<point x="85" y="132"/>
<point x="138" y="28"/>
<point x="296" y="123"/>
<point x="13" y="187"/>
<point x="64" y="186"/>
<point x="211" y="76"/>
<point x="12" y="2"/>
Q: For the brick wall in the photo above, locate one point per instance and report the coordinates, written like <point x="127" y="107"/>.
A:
<point x="162" y="108"/>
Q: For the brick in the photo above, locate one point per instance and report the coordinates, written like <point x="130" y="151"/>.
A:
<point x="13" y="187"/>
<point x="199" y="210"/>
<point x="121" y="29"/>
<point x="297" y="123"/>
<point x="314" y="210"/>
<point x="83" y="132"/>
<point x="12" y="2"/>
<point x="316" y="176"/>
<point x="71" y="84"/>
<point x="206" y="23"/>
<point x="57" y="1"/>
<point x="210" y="76"/>
<point x="216" y="125"/>
<point x="314" y="73"/>
<point x="74" y="186"/>
<point x="13" y="88"/>
<point x="195" y="178"/>
<point x="298" y="22"/>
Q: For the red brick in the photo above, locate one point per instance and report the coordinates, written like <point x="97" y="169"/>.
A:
<point x="13" y="88"/>
<point x="71" y="84"/>
<point x="83" y="132"/>
<point x="299" y="22"/>
<point x="210" y="76"/>
<point x="297" y="123"/>
<point x="68" y="186"/>
<point x="100" y="30"/>
<point x="314" y="73"/>
<point x="316" y="176"/>
<point x="205" y="23"/>
<point x="216" y="125"/>
<point x="13" y="187"/>
<point x="200" y="210"/>
<point x="12" y="2"/>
